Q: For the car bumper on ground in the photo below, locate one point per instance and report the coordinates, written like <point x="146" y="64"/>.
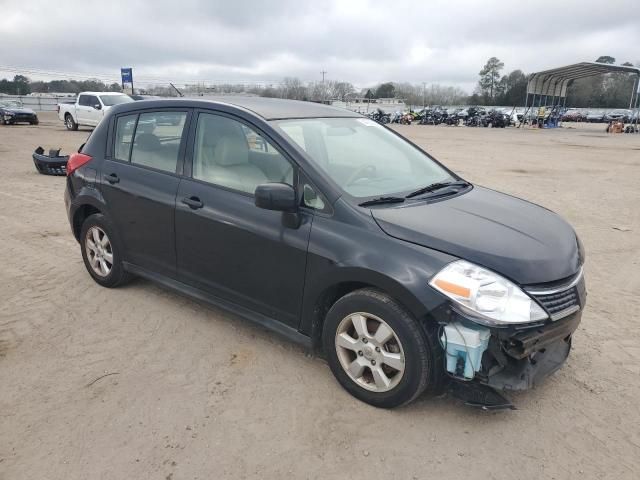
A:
<point x="51" y="164"/>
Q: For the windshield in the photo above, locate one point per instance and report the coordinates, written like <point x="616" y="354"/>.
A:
<point x="10" y="104"/>
<point x="110" y="100"/>
<point x="363" y="157"/>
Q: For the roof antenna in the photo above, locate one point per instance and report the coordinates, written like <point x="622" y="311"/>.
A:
<point x="176" y="89"/>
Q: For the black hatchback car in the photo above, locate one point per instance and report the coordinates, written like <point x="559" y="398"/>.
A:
<point x="335" y="231"/>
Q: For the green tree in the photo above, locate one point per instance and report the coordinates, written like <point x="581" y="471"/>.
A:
<point x="606" y="59"/>
<point x="514" y="88"/>
<point x="21" y="85"/>
<point x="490" y="77"/>
<point x="386" y="90"/>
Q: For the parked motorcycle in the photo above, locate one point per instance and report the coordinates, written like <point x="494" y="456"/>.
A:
<point x="380" y="116"/>
<point x="495" y="119"/>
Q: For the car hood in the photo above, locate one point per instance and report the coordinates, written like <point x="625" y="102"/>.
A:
<point x="18" y="110"/>
<point x="515" y="238"/>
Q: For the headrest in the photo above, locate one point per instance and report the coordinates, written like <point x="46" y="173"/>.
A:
<point x="231" y="151"/>
<point x="148" y="142"/>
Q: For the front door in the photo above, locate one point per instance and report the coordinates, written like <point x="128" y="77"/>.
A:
<point x="84" y="109"/>
<point x="139" y="184"/>
<point x="225" y="244"/>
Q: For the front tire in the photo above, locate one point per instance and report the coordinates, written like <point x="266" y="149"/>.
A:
<point x="101" y="252"/>
<point x="69" y="122"/>
<point x="378" y="351"/>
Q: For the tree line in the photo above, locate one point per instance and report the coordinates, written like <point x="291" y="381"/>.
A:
<point x="494" y="88"/>
<point x="21" y="85"/>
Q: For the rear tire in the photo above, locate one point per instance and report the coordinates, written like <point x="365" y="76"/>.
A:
<point x="409" y="360"/>
<point x="102" y="252"/>
<point x="69" y="122"/>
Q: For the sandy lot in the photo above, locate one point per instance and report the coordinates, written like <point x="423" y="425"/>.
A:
<point x="195" y="393"/>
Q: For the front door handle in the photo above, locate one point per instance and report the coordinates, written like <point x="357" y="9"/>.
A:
<point x="193" y="202"/>
<point x="112" y="178"/>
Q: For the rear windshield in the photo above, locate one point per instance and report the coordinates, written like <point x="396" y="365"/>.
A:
<point x="110" y="100"/>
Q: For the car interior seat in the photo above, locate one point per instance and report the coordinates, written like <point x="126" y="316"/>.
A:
<point x="223" y="156"/>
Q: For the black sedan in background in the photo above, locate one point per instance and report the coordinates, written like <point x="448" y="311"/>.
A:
<point x="12" y="112"/>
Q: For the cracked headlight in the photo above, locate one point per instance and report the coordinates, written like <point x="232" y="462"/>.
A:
<point x="490" y="298"/>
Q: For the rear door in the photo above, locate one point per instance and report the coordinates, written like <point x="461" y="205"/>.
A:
<point x="225" y="244"/>
<point x="139" y="183"/>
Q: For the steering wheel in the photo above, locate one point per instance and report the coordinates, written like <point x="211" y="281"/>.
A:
<point x="365" y="171"/>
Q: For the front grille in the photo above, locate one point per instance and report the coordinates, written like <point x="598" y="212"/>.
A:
<point x="561" y="304"/>
<point x="560" y="301"/>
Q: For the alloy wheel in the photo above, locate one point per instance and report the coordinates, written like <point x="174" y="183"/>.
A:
<point x="370" y="352"/>
<point x="99" y="251"/>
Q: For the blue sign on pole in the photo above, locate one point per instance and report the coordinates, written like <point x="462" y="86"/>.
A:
<point x="127" y="75"/>
<point x="127" y="80"/>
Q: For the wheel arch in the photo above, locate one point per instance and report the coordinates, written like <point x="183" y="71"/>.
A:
<point x="321" y="297"/>
<point x="80" y="215"/>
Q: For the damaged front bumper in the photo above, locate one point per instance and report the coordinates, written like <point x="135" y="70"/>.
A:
<point x="520" y="360"/>
<point x="511" y="358"/>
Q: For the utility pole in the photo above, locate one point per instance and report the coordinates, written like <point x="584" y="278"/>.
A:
<point x="323" y="91"/>
<point x="424" y="94"/>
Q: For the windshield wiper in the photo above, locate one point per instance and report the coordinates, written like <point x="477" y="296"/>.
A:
<point x="437" y="186"/>
<point x="381" y="201"/>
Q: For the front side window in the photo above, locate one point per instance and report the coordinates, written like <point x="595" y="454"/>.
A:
<point x="362" y="157"/>
<point x="92" y="101"/>
<point x="230" y="154"/>
<point x="157" y="140"/>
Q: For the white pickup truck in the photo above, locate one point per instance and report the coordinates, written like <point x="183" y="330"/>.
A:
<point x="89" y="108"/>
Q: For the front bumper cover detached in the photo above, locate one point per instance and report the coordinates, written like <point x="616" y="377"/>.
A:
<point x="521" y="357"/>
<point x="52" y="164"/>
<point x="524" y="359"/>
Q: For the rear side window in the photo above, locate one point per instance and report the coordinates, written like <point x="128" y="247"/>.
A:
<point x="84" y="100"/>
<point x="157" y="140"/>
<point x="124" y="134"/>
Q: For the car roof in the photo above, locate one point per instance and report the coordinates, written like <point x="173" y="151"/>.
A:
<point x="101" y="93"/>
<point x="267" y="108"/>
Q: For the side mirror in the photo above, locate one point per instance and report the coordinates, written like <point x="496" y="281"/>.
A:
<point x="97" y="106"/>
<point x="276" y="196"/>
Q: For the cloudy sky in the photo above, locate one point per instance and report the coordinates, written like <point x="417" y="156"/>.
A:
<point x="360" y="41"/>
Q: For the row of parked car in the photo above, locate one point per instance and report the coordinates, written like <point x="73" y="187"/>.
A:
<point x="576" y="115"/>
<point x="500" y="117"/>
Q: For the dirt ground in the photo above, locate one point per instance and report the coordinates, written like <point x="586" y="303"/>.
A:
<point x="195" y="393"/>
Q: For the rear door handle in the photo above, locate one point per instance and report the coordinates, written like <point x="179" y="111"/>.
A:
<point x="193" y="202"/>
<point x="112" y="178"/>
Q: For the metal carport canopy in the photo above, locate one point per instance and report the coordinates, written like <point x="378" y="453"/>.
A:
<point x="554" y="82"/>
